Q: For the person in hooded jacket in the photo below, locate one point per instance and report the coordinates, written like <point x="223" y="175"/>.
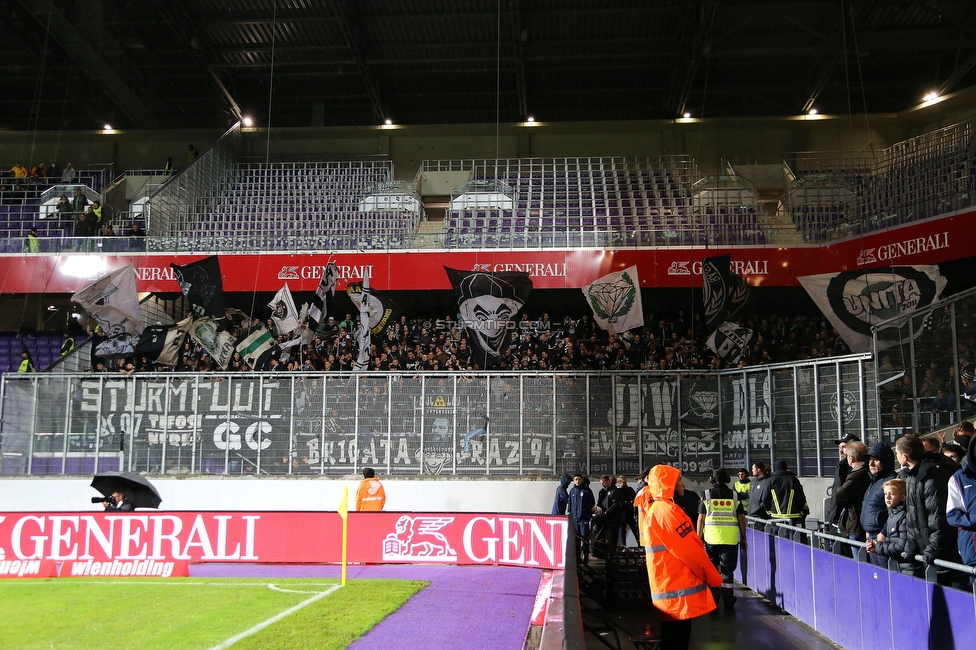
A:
<point x="874" y="511"/>
<point x="678" y="568"/>
<point x="562" y="496"/>
<point x="961" y="506"/>
<point x="783" y="498"/>
<point x="926" y="483"/>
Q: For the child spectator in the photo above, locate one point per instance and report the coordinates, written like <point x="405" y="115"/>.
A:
<point x="893" y="542"/>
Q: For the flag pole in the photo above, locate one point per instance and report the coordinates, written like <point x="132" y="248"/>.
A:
<point x="344" y="513"/>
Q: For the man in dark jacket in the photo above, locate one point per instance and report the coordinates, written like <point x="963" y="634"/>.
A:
<point x="562" y="496"/>
<point x="961" y="507"/>
<point x="783" y="496"/>
<point x="840" y="475"/>
<point x="581" y="504"/>
<point x="758" y="485"/>
<point x="850" y="496"/>
<point x="604" y="522"/>
<point x="926" y="486"/>
<point x="874" y="510"/>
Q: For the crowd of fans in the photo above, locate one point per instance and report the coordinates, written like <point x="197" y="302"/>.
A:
<point x="673" y="341"/>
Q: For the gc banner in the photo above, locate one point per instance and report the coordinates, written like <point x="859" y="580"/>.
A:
<point x="151" y="543"/>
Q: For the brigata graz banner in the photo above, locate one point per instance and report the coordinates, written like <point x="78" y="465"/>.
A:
<point x="153" y="543"/>
<point x="929" y="242"/>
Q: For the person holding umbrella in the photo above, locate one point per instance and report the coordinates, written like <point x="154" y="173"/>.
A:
<point x="118" y="502"/>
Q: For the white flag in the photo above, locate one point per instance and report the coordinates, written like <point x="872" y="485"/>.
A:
<point x="257" y="343"/>
<point x="362" y="360"/>
<point x="616" y="301"/>
<point x="113" y="302"/>
<point x="219" y="344"/>
<point x="283" y="311"/>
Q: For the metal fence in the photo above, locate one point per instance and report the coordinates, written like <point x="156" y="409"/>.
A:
<point x="434" y="423"/>
<point x="917" y="354"/>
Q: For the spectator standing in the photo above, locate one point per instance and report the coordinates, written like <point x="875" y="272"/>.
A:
<point x="68" y="175"/>
<point x="961" y="507"/>
<point x="137" y="237"/>
<point x="79" y="206"/>
<point x="191" y="154"/>
<point x="926" y="494"/>
<point x="63" y="208"/>
<point x="370" y="497"/>
<point x="722" y="526"/>
<point x="19" y="172"/>
<point x="561" y="501"/>
<point x="840" y="475"/>
<point x="581" y="504"/>
<point x="623" y="506"/>
<point x="26" y="365"/>
<point x="604" y="523"/>
<point x="678" y="568"/>
<point x="54" y="172"/>
<point x="874" y="509"/>
<point x="850" y="497"/>
<point x="168" y="167"/>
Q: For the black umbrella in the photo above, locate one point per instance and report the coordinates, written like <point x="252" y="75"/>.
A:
<point x="136" y="488"/>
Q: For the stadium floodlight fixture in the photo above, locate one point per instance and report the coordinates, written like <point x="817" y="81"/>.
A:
<point x="930" y="96"/>
<point x="687" y="115"/>
<point x="530" y="119"/>
<point x="247" y="121"/>
<point x="813" y="111"/>
<point x="388" y="122"/>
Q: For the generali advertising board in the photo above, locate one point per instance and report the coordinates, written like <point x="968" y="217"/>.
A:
<point x="930" y="242"/>
<point x="162" y="544"/>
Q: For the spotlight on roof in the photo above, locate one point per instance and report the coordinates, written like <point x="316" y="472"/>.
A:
<point x="247" y="121"/>
<point x="107" y="127"/>
<point x="687" y="115"/>
<point x="530" y="119"/>
<point x="813" y="111"/>
<point x="930" y="96"/>
<point x="388" y="121"/>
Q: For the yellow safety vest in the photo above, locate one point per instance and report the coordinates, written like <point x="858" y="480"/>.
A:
<point x="24" y="366"/>
<point x="742" y="489"/>
<point x="721" y="521"/>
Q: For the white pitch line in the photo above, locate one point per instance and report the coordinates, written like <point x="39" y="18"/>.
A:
<point x="274" y="619"/>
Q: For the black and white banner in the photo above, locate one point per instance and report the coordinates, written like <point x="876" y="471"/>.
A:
<point x="201" y="283"/>
<point x="382" y="310"/>
<point x="856" y="301"/>
<point x="725" y="293"/>
<point x="728" y="341"/>
<point x="488" y="304"/>
<point x="325" y="290"/>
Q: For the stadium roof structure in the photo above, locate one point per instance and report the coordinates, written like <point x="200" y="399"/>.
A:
<point x="299" y="63"/>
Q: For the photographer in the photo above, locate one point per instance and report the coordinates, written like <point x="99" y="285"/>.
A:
<point x="115" y="502"/>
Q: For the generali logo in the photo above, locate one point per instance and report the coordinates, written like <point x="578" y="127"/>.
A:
<point x="903" y="248"/>
<point x="534" y="269"/>
<point x="489" y="539"/>
<point x="739" y="267"/>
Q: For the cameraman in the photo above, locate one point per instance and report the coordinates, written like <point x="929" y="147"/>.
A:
<point x="117" y="502"/>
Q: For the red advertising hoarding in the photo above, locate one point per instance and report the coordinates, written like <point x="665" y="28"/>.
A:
<point x="143" y="543"/>
<point x="929" y="242"/>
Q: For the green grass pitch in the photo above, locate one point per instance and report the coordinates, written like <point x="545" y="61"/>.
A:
<point x="195" y="613"/>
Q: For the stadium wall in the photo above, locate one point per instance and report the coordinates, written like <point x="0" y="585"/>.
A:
<point x="447" y="494"/>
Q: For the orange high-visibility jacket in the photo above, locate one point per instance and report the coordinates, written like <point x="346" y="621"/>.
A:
<point x="643" y="503"/>
<point x="370" y="497"/>
<point x="678" y="568"/>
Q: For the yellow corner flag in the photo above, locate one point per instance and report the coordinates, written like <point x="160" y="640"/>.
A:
<point x="344" y="513"/>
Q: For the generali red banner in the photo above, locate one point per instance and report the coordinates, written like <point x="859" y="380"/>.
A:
<point x="929" y="242"/>
<point x="160" y="544"/>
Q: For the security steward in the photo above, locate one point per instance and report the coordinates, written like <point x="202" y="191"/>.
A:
<point x="784" y="498"/>
<point x="722" y="525"/>
<point x="742" y="487"/>
<point x="678" y="568"/>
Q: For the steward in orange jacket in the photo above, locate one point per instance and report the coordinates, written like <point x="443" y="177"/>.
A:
<point x="678" y="567"/>
<point x="370" y="497"/>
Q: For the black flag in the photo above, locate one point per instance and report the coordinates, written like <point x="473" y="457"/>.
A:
<point x="202" y="285"/>
<point x="488" y="304"/>
<point x="382" y="310"/>
<point x="725" y="293"/>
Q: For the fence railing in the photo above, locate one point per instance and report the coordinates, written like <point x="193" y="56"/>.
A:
<point x="435" y="423"/>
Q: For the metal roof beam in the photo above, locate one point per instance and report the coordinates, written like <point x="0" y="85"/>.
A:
<point x="694" y="46"/>
<point x="351" y="34"/>
<point x="101" y="71"/>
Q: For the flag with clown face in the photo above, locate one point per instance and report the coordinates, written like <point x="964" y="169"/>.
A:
<point x="488" y="304"/>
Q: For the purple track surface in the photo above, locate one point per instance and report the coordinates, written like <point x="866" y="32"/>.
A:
<point x="470" y="607"/>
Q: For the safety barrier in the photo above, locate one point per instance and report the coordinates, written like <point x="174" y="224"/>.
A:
<point x="854" y="603"/>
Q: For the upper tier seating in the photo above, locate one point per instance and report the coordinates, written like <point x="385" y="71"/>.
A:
<point x="292" y="205"/>
<point x="599" y="202"/>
